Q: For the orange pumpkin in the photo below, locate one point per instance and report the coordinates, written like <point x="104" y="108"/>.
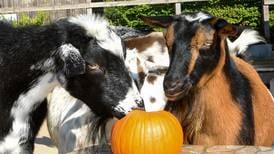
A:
<point x="143" y="132"/>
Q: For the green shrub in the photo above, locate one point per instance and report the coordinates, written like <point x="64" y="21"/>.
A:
<point x="38" y="19"/>
<point x="130" y="16"/>
<point x="245" y="12"/>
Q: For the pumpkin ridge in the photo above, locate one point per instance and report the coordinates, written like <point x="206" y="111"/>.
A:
<point x="175" y="123"/>
<point x="148" y="133"/>
<point x="121" y="123"/>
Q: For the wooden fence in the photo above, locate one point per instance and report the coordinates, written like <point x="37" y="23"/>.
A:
<point x="61" y="8"/>
<point x="266" y="15"/>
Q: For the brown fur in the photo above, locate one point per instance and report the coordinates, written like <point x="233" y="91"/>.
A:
<point x="208" y="112"/>
<point x="207" y="121"/>
<point x="263" y="104"/>
<point x="146" y="41"/>
<point x="169" y="36"/>
<point x="151" y="78"/>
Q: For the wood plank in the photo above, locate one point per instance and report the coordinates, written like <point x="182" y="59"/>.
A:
<point x="91" y="5"/>
<point x="197" y="149"/>
<point x="178" y="8"/>
<point x="266" y="22"/>
<point x="269" y="2"/>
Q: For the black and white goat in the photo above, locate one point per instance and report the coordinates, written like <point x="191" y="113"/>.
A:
<point x="80" y="54"/>
<point x="71" y="126"/>
<point x="219" y="98"/>
<point x="147" y="59"/>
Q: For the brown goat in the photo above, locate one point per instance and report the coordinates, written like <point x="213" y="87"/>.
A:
<point x="219" y="98"/>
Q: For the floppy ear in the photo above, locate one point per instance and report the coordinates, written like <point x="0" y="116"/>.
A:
<point x="73" y="62"/>
<point x="162" y="21"/>
<point x="224" y="28"/>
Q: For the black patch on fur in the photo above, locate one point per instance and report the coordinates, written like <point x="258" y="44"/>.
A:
<point x="152" y="99"/>
<point x="150" y="59"/>
<point x="241" y="92"/>
<point x="142" y="77"/>
<point x="158" y="70"/>
<point x="151" y="78"/>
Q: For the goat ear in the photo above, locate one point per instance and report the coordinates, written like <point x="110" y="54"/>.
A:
<point x="73" y="62"/>
<point x="162" y="21"/>
<point x="224" y="28"/>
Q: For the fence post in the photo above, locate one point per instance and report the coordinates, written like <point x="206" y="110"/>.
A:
<point x="89" y="10"/>
<point x="177" y="8"/>
<point x="99" y="10"/>
<point x="265" y="15"/>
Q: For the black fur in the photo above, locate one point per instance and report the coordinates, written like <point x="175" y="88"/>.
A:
<point x="180" y="58"/>
<point x="23" y="47"/>
<point x="206" y="62"/>
<point x="240" y="91"/>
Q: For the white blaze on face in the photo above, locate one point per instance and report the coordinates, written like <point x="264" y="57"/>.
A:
<point x="131" y="100"/>
<point x="21" y="109"/>
<point x="97" y="27"/>
<point x="199" y="16"/>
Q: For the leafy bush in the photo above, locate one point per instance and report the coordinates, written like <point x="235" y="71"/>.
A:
<point x="38" y="19"/>
<point x="245" y="12"/>
<point x="271" y="23"/>
<point x="129" y="16"/>
<point x="236" y="13"/>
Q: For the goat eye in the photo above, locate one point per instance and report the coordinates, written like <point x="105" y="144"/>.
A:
<point x="206" y="45"/>
<point x="95" y="68"/>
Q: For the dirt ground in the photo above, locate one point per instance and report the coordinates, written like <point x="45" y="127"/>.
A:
<point x="43" y="144"/>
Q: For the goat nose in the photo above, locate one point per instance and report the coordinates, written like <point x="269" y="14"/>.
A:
<point x="140" y="103"/>
<point x="171" y="85"/>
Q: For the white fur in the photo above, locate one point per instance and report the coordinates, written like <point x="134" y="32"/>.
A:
<point x="68" y="129"/>
<point x="45" y="65"/>
<point x="247" y="37"/>
<point x="199" y="16"/>
<point x="270" y="94"/>
<point x="21" y="109"/>
<point x="155" y="91"/>
<point x="131" y="63"/>
<point x="65" y="133"/>
<point x="66" y="50"/>
<point x="97" y="27"/>
<point x="159" y="54"/>
<point x="160" y="57"/>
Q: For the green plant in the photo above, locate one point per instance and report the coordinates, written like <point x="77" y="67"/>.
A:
<point x="38" y="19"/>
<point x="130" y="16"/>
<point x="245" y="12"/>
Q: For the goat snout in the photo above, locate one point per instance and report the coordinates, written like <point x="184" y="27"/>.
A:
<point x="176" y="89"/>
<point x="140" y="103"/>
